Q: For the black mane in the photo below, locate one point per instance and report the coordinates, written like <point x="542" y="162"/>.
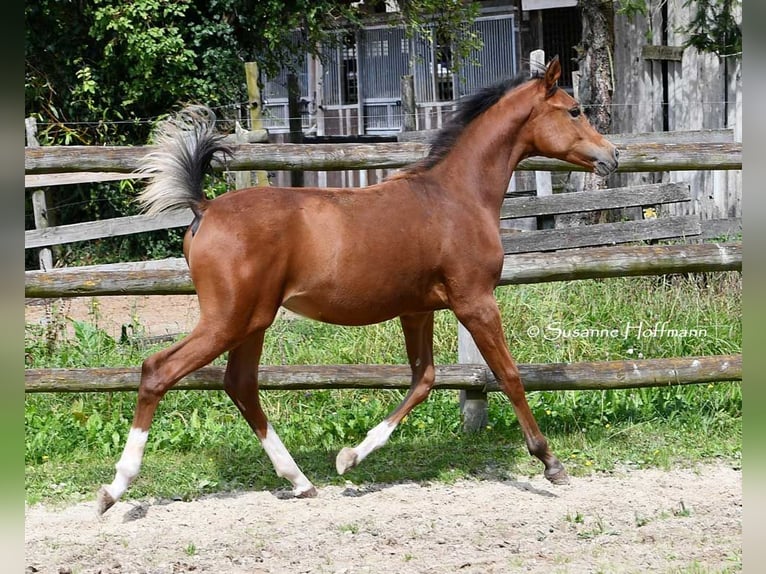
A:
<point x="468" y="109"/>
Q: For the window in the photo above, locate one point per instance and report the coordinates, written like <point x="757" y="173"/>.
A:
<point x="349" y="76"/>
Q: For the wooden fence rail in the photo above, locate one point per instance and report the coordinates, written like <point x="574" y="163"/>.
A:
<point x="537" y="377"/>
<point x="114" y="227"/>
<point x="634" y="157"/>
<point x="171" y="276"/>
<point x="519" y="207"/>
<point x="640" y="195"/>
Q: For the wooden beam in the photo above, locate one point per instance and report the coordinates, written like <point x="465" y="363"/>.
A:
<point x="159" y="277"/>
<point x="47" y="179"/>
<point x="620" y="261"/>
<point x="171" y="276"/>
<point x="600" y="234"/>
<point x="652" y="52"/>
<point x="595" y="200"/>
<point x="649" y="194"/>
<point x="255" y="103"/>
<point x="634" y="157"/>
<point x="106" y="228"/>
<point x="722" y="135"/>
<point x="536" y="377"/>
<point x="409" y="107"/>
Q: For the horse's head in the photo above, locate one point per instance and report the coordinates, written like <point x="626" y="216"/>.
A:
<point x="557" y="128"/>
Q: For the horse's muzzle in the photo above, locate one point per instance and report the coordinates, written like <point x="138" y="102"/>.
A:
<point x="605" y="165"/>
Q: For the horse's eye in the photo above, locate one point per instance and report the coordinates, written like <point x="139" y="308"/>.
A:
<point x="574" y="112"/>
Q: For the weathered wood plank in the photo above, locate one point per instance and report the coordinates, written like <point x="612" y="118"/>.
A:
<point x="159" y="277"/>
<point x="600" y="234"/>
<point x="106" y="228"/>
<point x="722" y="228"/>
<point x="536" y="377"/>
<point x="655" y="52"/>
<point x="56" y="159"/>
<point x="650" y="157"/>
<point x="649" y="194"/>
<point x="171" y="276"/>
<point x="708" y="136"/>
<point x="48" y="179"/>
<point x="329" y="157"/>
<point x="512" y="208"/>
<point x="723" y="135"/>
<point x="620" y="261"/>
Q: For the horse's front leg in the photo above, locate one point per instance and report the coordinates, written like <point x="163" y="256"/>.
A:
<point x="481" y="316"/>
<point x="418" y="336"/>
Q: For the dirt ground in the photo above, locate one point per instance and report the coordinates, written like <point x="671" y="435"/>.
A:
<point x="637" y="521"/>
<point x="143" y="315"/>
<point x="628" y="521"/>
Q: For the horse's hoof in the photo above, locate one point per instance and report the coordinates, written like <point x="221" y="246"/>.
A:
<point x="310" y="493"/>
<point x="346" y="459"/>
<point x="104" y="500"/>
<point x="557" y="476"/>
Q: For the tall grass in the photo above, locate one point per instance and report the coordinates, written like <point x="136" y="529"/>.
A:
<point x="199" y="443"/>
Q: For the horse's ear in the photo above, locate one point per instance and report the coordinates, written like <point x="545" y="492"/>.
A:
<point x="552" y="75"/>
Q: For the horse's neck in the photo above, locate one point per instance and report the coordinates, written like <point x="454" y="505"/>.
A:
<point x="480" y="166"/>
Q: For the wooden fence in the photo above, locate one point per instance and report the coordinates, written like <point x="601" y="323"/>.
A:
<point x="171" y="276"/>
<point x="57" y="165"/>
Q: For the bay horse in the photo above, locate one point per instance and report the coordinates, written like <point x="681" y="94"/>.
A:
<point x="424" y="239"/>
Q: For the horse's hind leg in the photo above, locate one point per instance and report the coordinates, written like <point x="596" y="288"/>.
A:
<point x="158" y="374"/>
<point x="418" y="336"/>
<point x="481" y="317"/>
<point x="241" y="384"/>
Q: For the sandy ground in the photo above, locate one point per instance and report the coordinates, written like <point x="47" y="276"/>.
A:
<point x="142" y="315"/>
<point x="628" y="521"/>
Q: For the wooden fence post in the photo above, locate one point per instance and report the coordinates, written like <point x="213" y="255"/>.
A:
<point x="256" y="113"/>
<point x="294" y="121"/>
<point x="39" y="203"/>
<point x="242" y="179"/>
<point x="473" y="404"/>
<point x="408" y="104"/>
<point x="319" y="109"/>
<point x="543" y="180"/>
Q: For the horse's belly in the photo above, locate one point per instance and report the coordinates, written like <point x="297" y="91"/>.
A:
<point x="341" y="307"/>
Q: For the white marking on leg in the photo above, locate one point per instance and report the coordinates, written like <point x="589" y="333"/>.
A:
<point x="376" y="438"/>
<point x="283" y="462"/>
<point x="129" y="463"/>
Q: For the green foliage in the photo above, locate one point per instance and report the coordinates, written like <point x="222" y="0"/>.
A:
<point x="713" y="27"/>
<point x="632" y="8"/>
<point x="120" y="63"/>
<point x="142" y="45"/>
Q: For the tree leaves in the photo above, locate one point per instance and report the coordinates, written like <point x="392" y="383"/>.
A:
<point x="714" y="27"/>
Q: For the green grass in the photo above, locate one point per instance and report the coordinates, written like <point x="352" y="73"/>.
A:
<point x="199" y="443"/>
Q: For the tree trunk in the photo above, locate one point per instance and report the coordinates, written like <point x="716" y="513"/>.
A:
<point x="595" y="92"/>
<point x="596" y="82"/>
